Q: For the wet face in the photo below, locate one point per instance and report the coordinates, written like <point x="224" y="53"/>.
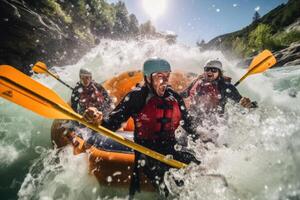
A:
<point x="85" y="80"/>
<point x="160" y="81"/>
<point x="211" y="74"/>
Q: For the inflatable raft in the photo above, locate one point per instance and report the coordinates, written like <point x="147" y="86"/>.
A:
<point x="112" y="163"/>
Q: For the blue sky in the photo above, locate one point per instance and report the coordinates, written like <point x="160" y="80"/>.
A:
<point x="193" y="20"/>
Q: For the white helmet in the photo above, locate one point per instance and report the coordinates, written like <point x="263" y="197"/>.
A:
<point x="85" y="71"/>
<point x="214" y="63"/>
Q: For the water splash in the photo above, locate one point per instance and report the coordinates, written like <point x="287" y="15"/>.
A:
<point x="258" y="152"/>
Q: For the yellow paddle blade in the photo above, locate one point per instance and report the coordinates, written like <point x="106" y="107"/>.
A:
<point x="262" y="62"/>
<point x="26" y="92"/>
<point x="40" y="67"/>
<point x="259" y="64"/>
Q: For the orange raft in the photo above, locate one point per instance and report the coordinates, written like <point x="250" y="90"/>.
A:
<point x="112" y="163"/>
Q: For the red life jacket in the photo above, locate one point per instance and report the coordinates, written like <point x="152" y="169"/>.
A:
<point x="158" y="120"/>
<point x="91" y="97"/>
<point x="206" y="94"/>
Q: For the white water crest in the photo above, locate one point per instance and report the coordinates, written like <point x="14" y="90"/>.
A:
<point x="258" y="153"/>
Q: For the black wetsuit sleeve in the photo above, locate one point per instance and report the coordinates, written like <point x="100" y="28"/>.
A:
<point x="129" y="106"/>
<point x="232" y="93"/>
<point x="75" y="98"/>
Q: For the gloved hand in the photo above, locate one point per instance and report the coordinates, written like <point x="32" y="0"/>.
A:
<point x="93" y="116"/>
<point x="245" y="102"/>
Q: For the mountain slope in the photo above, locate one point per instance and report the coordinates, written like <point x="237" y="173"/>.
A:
<point x="270" y="31"/>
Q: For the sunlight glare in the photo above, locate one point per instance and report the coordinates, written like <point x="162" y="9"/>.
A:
<point x="154" y="8"/>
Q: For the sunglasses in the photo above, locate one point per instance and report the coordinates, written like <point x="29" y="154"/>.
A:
<point x="212" y="69"/>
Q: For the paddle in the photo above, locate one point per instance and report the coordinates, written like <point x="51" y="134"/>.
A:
<point x="24" y="91"/>
<point x="41" y="68"/>
<point x="260" y="63"/>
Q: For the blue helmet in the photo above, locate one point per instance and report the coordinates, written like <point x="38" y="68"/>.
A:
<point x="154" y="65"/>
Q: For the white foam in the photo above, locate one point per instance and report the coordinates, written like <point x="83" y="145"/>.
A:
<point x="8" y="154"/>
<point x="262" y="160"/>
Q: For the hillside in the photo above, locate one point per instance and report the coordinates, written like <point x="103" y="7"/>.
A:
<point x="60" y="32"/>
<point x="277" y="30"/>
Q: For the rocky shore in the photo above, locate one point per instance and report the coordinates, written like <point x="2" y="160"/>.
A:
<point x="27" y="36"/>
<point x="60" y="32"/>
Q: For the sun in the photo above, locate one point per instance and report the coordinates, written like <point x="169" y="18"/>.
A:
<point x="154" y="8"/>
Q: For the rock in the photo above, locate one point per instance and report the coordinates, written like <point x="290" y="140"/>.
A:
<point x="294" y="26"/>
<point x="27" y="36"/>
<point x="292" y="92"/>
<point x="288" y="56"/>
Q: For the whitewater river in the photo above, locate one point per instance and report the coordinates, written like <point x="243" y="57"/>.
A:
<point x="259" y="151"/>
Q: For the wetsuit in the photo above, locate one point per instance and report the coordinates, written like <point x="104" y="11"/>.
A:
<point x="164" y="114"/>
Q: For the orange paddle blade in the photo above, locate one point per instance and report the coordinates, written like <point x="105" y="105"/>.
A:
<point x="40" y="67"/>
<point x="262" y="62"/>
<point x="26" y="92"/>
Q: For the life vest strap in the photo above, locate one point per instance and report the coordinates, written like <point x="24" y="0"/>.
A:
<point x="164" y="120"/>
<point x="165" y="106"/>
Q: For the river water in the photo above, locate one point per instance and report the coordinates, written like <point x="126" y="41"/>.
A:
<point x="259" y="151"/>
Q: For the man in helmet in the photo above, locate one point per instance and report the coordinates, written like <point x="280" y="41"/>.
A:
<point x="157" y="111"/>
<point x="87" y="93"/>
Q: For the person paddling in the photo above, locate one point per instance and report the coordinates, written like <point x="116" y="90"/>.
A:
<point x="212" y="90"/>
<point x="157" y="111"/>
<point x="87" y="93"/>
<point x="207" y="96"/>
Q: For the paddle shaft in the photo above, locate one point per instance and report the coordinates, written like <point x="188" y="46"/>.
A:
<point x="51" y="74"/>
<point x="62" y="82"/>
<point x="122" y="140"/>
<point x="251" y="70"/>
<point x="241" y="79"/>
<point x="73" y="115"/>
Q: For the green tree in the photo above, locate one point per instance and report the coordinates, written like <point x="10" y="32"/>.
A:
<point x="133" y="25"/>
<point x="121" y="26"/>
<point x="147" y="29"/>
<point x="261" y="37"/>
<point x="102" y="17"/>
<point x="256" y="16"/>
<point x="239" y="46"/>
